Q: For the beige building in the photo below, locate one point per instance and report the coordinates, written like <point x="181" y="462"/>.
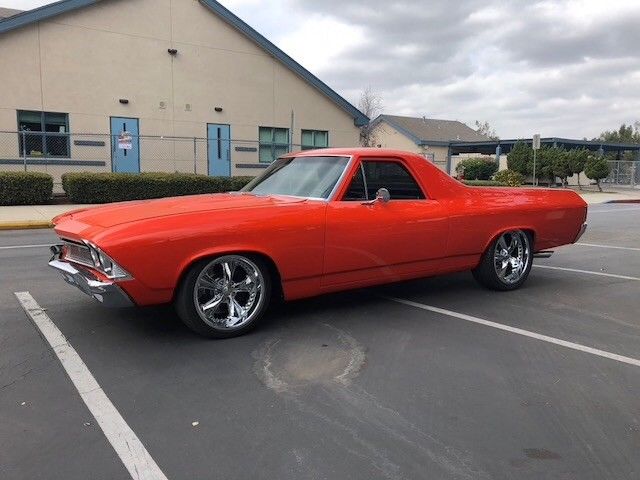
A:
<point x="107" y="85"/>
<point x="428" y="137"/>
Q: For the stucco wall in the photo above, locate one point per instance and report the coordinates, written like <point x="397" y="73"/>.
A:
<point x="83" y="62"/>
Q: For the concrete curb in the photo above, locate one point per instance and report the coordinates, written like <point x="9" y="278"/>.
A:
<point x="25" y="225"/>
<point x="633" y="200"/>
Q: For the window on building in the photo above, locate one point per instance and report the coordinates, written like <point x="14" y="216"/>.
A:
<point x="47" y="134"/>
<point x="274" y="142"/>
<point x="383" y="174"/>
<point x="314" y="139"/>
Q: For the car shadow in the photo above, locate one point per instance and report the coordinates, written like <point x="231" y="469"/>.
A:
<point x="161" y="323"/>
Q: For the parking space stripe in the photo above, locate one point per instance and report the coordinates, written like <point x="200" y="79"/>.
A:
<point x="589" y="272"/>
<point x="125" y="442"/>
<point x="25" y="246"/>
<point x="615" y="247"/>
<point x="519" y="331"/>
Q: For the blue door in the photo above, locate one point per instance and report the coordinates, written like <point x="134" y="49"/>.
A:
<point x="125" y="145"/>
<point x="219" y="154"/>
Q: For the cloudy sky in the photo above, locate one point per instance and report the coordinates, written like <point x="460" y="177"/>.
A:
<point x="560" y="68"/>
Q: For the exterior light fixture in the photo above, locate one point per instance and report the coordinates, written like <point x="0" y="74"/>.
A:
<point x="218" y="109"/>
<point x="172" y="51"/>
<point x="124" y="101"/>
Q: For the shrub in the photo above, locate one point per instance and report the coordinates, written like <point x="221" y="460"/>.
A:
<point x="117" y="187"/>
<point x="509" y="178"/>
<point x="25" y="188"/>
<point x="596" y="169"/>
<point x="477" y="168"/>
<point x="484" y="183"/>
<point x="236" y="183"/>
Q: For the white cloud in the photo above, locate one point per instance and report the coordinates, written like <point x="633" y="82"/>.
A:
<point x="22" y="4"/>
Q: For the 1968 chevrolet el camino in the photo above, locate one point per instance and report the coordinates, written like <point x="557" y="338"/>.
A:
<point x="314" y="222"/>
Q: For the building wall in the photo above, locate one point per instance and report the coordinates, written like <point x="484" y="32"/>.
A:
<point x="83" y="62"/>
<point x="387" y="136"/>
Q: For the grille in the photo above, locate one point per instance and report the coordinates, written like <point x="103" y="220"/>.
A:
<point x="78" y="253"/>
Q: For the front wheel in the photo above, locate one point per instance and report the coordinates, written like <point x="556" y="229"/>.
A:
<point x="506" y="263"/>
<point x="225" y="296"/>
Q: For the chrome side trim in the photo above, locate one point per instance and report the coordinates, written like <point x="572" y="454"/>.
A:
<point x="581" y="232"/>
<point x="106" y="292"/>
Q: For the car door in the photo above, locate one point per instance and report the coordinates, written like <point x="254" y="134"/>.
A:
<point x="376" y="242"/>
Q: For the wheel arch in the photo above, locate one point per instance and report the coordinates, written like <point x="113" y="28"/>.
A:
<point x="277" y="290"/>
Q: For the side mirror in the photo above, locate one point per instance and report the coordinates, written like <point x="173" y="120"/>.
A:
<point x="382" y="195"/>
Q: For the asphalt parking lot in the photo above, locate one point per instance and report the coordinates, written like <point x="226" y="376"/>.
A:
<point x="456" y="382"/>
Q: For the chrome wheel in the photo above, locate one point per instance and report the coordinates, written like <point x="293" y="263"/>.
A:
<point x="229" y="292"/>
<point x="512" y="256"/>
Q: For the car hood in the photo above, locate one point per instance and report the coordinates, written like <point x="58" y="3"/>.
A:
<point x="127" y="212"/>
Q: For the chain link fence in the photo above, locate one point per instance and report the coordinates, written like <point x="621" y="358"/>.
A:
<point x="57" y="153"/>
<point x="624" y="173"/>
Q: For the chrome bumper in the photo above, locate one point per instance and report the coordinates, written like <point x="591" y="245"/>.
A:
<point x="107" y="292"/>
<point x="583" y="228"/>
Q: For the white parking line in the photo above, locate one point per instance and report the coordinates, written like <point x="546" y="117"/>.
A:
<point x="520" y="331"/>
<point x="25" y="246"/>
<point x="608" y="246"/>
<point x="127" y="445"/>
<point x="589" y="272"/>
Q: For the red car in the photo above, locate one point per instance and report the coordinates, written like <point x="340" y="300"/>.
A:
<point x="314" y="222"/>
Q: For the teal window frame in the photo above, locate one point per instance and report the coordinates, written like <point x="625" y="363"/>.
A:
<point x="319" y="139"/>
<point x="273" y="142"/>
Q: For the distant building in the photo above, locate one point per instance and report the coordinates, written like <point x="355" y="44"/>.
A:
<point x="425" y="136"/>
<point x="180" y="68"/>
<point x="8" y="12"/>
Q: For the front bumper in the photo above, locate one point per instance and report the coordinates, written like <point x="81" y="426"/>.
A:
<point x="106" y="292"/>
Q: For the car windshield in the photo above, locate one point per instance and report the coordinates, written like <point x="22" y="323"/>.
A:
<point x="311" y="177"/>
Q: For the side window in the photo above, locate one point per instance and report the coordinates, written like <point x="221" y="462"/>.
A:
<point x="356" y="189"/>
<point x="394" y="177"/>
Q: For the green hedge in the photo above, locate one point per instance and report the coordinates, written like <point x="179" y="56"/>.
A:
<point x="25" y="188"/>
<point x="479" y="168"/>
<point x="510" y="178"/>
<point x="484" y="183"/>
<point x="118" y="187"/>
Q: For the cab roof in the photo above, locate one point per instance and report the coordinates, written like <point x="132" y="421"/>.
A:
<point x="353" y="151"/>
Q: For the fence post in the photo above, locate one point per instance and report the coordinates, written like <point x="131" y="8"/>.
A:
<point x="195" y="155"/>
<point x="24" y="150"/>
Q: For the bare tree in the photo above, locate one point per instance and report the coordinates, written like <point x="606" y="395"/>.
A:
<point x="483" y="128"/>
<point x="371" y="105"/>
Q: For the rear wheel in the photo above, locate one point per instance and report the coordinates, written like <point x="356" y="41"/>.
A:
<point x="225" y="296"/>
<point x="506" y="263"/>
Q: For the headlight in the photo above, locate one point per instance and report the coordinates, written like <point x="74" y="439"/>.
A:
<point x="106" y="264"/>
